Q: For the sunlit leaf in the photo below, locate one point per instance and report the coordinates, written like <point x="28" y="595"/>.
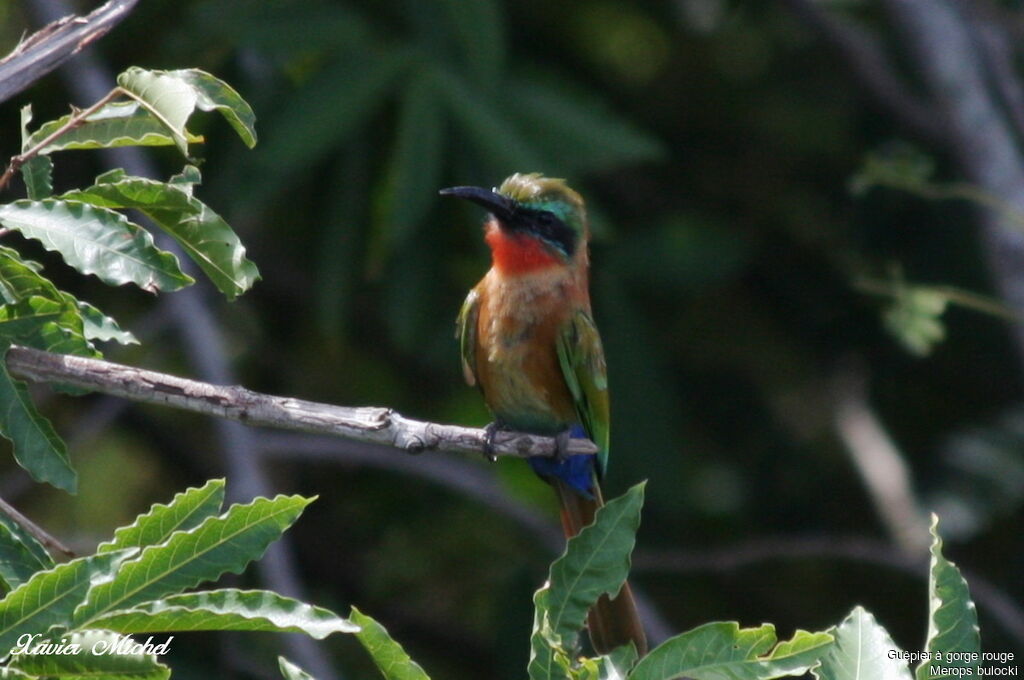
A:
<point x="115" y="124"/>
<point x="952" y="617"/>
<point x="172" y="97"/>
<point x="185" y="511"/>
<point x="228" y="609"/>
<point x="722" y="650"/>
<point x="292" y="672"/>
<point x="49" y="597"/>
<point x="96" y="241"/>
<point x="391" y="659"/>
<point x="863" y="650"/>
<point x="202" y="233"/>
<point x="99" y="326"/>
<point x="226" y="543"/>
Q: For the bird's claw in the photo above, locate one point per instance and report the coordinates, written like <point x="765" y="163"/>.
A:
<point x="489" y="433"/>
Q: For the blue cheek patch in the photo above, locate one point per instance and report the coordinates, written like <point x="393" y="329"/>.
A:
<point x="576" y="471"/>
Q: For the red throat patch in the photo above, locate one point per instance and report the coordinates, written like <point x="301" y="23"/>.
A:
<point x="517" y="253"/>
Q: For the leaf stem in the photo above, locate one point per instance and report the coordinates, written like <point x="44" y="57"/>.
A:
<point x="73" y="122"/>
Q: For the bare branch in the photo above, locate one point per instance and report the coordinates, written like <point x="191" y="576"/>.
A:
<point x="51" y="45"/>
<point x="865" y="59"/>
<point x="370" y="424"/>
<point x="880" y="464"/>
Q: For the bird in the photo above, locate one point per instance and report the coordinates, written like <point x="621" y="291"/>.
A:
<point x="528" y="341"/>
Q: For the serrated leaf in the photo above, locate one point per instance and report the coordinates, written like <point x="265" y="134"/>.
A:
<point x="115" y="124"/>
<point x="49" y="598"/>
<point x="84" y="656"/>
<point x="201" y="232"/>
<point x="36" y="313"/>
<point x="292" y="672"/>
<point x="227" y="609"/>
<point x="38" y="176"/>
<point x="391" y="659"/>
<point x="97" y="241"/>
<point x="862" y="651"/>
<point x="186" y="510"/>
<point x="37" y="552"/>
<point x="724" y="651"/>
<point x="952" y="617"/>
<point x="17" y="563"/>
<point x="37" y="448"/>
<point x="98" y="326"/>
<point x="596" y="562"/>
<point x="222" y="544"/>
<point x="172" y="97"/>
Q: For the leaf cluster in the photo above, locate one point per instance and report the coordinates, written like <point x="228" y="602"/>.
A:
<point x="90" y="230"/>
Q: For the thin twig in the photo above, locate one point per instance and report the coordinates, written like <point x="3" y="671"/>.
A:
<point x="744" y="554"/>
<point x="375" y="425"/>
<point x="37" y="532"/>
<point x="73" y="122"/>
<point x="873" y="71"/>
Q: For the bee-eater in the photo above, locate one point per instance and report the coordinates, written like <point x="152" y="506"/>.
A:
<point x="529" y="342"/>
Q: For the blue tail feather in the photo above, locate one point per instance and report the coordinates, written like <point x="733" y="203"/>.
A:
<point x="576" y="471"/>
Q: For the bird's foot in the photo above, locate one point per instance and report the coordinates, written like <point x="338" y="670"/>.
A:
<point x="562" y="445"/>
<point x="490" y="432"/>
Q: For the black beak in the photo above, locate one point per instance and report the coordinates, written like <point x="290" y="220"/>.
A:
<point x="500" y="206"/>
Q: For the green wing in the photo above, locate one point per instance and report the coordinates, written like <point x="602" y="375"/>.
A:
<point x="465" y="332"/>
<point x="582" y="359"/>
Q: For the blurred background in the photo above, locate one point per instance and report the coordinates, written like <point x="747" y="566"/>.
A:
<point x="802" y="294"/>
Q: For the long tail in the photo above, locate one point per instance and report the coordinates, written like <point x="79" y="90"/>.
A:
<point x="612" y="622"/>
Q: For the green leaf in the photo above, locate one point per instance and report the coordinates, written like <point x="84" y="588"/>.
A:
<point x="292" y="672"/>
<point x="17" y="562"/>
<point x="186" y="510"/>
<point x="172" y="96"/>
<point x="575" y="129"/>
<point x="391" y="659"/>
<point x="38" y="176"/>
<point x="96" y="241"/>
<point x="84" y="656"/>
<point x="724" y="651"/>
<point x="615" y="666"/>
<point x="226" y="543"/>
<point x="863" y="651"/>
<point x="37" y="448"/>
<point x="478" y="27"/>
<point x="49" y="597"/>
<point x="595" y="563"/>
<point x="416" y="165"/>
<point x="332" y="106"/>
<point x="36" y="313"/>
<point x="98" y="326"/>
<point x="227" y="609"/>
<point x="37" y="553"/>
<point x="201" y="232"/>
<point x="115" y="124"/>
<point x="485" y="124"/>
<point x="952" y="617"/>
